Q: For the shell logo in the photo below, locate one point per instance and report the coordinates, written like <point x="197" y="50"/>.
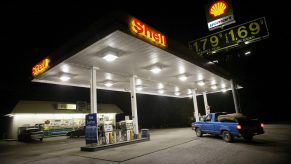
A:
<point x="218" y="8"/>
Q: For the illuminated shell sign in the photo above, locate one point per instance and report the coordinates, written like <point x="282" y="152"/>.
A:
<point x="147" y="33"/>
<point x="218" y="8"/>
<point x="219" y="14"/>
<point x="40" y="67"/>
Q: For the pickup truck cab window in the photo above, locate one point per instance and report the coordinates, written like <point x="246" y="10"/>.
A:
<point x="208" y="118"/>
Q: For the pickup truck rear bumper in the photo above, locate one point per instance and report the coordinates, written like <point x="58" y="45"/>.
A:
<point x="251" y="132"/>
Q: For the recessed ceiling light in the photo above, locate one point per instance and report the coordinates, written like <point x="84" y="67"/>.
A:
<point x="65" y="78"/>
<point x="222" y="85"/>
<point x="65" y="68"/>
<point x="108" y="83"/>
<point x="183" y="77"/>
<point x="213" y="82"/>
<point x="213" y="87"/>
<point x="108" y="76"/>
<point x="182" y="69"/>
<point x="138" y="82"/>
<point x="155" y="69"/>
<point x="161" y="91"/>
<point x="177" y="93"/>
<point x="177" y="89"/>
<point x="201" y="83"/>
<point x="200" y="77"/>
<point x="160" y="85"/>
<point x="139" y="88"/>
<point x="223" y="90"/>
<point x="110" y="57"/>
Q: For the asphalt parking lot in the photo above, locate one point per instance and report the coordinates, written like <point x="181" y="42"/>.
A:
<point x="178" y="145"/>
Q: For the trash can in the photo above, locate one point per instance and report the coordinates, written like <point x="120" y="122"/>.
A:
<point x="145" y="133"/>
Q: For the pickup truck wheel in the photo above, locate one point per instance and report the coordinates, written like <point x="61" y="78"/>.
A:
<point x="248" y="138"/>
<point x="227" y="136"/>
<point x="198" y="132"/>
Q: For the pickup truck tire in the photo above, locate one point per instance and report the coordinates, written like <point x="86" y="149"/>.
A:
<point x="198" y="132"/>
<point x="227" y="136"/>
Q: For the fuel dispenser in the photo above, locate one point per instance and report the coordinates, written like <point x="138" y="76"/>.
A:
<point x="126" y="127"/>
<point x="108" y="129"/>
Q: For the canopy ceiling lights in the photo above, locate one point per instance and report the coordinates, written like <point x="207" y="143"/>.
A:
<point x="177" y="93"/>
<point x="139" y="88"/>
<point x="110" y="56"/>
<point x="161" y="91"/>
<point x="156" y="69"/>
<point x="183" y="77"/>
<point x="213" y="87"/>
<point x="64" y="77"/>
<point x="108" y="83"/>
<point x="201" y="83"/>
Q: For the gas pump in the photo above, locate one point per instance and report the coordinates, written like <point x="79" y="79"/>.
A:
<point x="126" y="127"/>
<point x="108" y="129"/>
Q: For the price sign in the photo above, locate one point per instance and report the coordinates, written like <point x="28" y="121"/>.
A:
<point x="245" y="33"/>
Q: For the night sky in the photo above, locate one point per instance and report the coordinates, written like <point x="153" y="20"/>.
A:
<point x="29" y="32"/>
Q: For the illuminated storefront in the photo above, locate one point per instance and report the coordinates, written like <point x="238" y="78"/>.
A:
<point x="57" y="118"/>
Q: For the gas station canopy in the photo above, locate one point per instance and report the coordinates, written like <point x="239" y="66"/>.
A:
<point x="123" y="47"/>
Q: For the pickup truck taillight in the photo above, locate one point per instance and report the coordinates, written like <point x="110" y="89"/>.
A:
<point x="262" y="125"/>
<point x="238" y="127"/>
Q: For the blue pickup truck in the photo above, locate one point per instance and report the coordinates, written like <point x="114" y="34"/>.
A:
<point x="228" y="126"/>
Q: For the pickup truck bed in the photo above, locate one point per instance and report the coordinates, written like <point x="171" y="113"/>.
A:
<point x="229" y="126"/>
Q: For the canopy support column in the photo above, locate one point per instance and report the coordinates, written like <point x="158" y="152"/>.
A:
<point x="133" y="104"/>
<point x="93" y="91"/>
<point x="196" y="114"/>
<point x="233" y="88"/>
<point x="207" y="108"/>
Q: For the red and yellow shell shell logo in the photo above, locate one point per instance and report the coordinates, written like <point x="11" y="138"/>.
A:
<point x="218" y="8"/>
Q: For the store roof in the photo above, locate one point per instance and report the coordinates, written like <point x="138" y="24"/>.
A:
<point x="51" y="107"/>
<point x="180" y="68"/>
